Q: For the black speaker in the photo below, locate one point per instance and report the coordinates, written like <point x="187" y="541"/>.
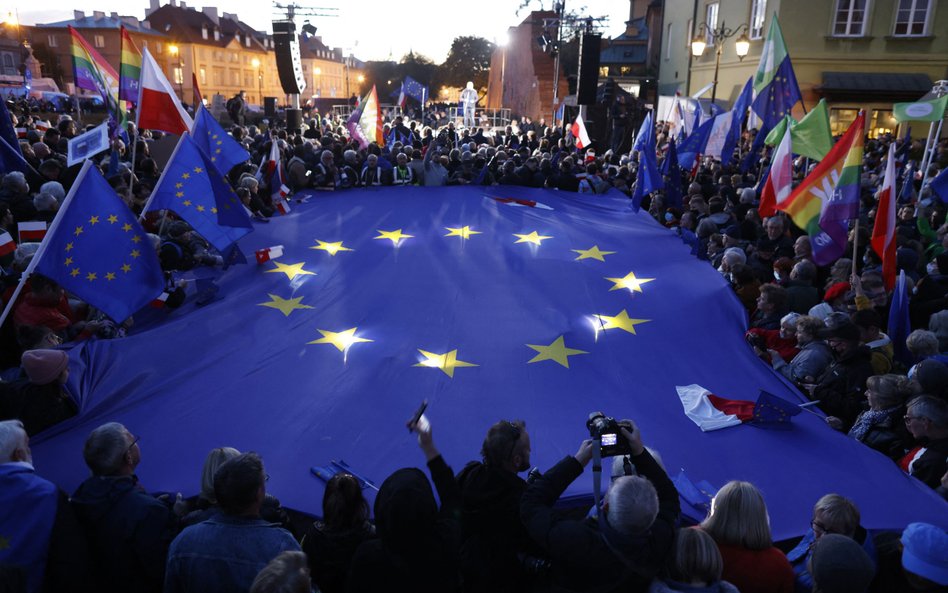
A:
<point x="294" y="119"/>
<point x="270" y="107"/>
<point x="589" y="47"/>
<point x="287" y="49"/>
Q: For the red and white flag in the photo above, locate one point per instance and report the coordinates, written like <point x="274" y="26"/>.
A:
<point x="278" y="188"/>
<point x="779" y="183"/>
<point x="31" y="231"/>
<point x="282" y="206"/>
<point x="21" y="133"/>
<point x="268" y="253"/>
<point x="883" y="233"/>
<point x="158" y="106"/>
<point x="578" y="129"/>
<point x="711" y="412"/>
<point x="160" y="301"/>
<point x="7" y="245"/>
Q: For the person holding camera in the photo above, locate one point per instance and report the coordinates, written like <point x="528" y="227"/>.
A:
<point x="626" y="546"/>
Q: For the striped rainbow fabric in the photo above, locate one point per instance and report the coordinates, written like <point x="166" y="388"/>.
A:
<point x="130" y="69"/>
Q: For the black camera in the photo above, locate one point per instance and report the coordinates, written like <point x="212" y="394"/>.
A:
<point x="607" y="429"/>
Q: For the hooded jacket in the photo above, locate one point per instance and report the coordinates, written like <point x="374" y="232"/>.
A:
<point x="128" y="530"/>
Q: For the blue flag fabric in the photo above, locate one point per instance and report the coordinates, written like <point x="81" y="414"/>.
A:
<point x="7" y="132"/>
<point x="907" y="193"/>
<point x="648" y="178"/>
<point x="778" y="98"/>
<point x="29" y="509"/>
<point x="195" y="190"/>
<point x="899" y="324"/>
<point x="939" y="185"/>
<point x="646" y="132"/>
<point x="221" y="148"/>
<point x="97" y="250"/>
<point x="487" y="309"/>
<point x="694" y="145"/>
<point x="11" y="159"/>
<point x="752" y="158"/>
<point x="415" y="89"/>
<point x="741" y="106"/>
<point x="672" y="174"/>
<point x="772" y="411"/>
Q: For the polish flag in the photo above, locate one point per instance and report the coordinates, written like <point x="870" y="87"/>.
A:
<point x="711" y="412"/>
<point x="21" y="133"/>
<point x="268" y="253"/>
<point x="7" y="246"/>
<point x="282" y="206"/>
<point x="883" y="233"/>
<point x="160" y="301"/>
<point x="158" y="106"/>
<point x="578" y="129"/>
<point x="32" y="231"/>
<point x="278" y="188"/>
<point x="779" y="184"/>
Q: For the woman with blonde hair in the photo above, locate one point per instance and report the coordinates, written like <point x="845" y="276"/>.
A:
<point x="694" y="566"/>
<point x="881" y="426"/>
<point x="740" y="526"/>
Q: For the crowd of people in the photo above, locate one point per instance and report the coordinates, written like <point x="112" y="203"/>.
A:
<point x="821" y="327"/>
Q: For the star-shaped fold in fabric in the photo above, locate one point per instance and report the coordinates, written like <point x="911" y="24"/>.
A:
<point x="393" y="236"/>
<point x="285" y="306"/>
<point x="533" y="237"/>
<point x="592" y="253"/>
<point x="464" y="232"/>
<point x="332" y="248"/>
<point x="557" y="352"/>
<point x="291" y="270"/>
<point x="447" y="362"/>
<point x="341" y="340"/>
<point x="621" y="320"/>
<point x="629" y="281"/>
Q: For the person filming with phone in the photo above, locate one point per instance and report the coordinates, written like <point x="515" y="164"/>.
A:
<point x="625" y="546"/>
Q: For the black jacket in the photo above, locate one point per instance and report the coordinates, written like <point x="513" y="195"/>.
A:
<point x="582" y="559"/>
<point x="417" y="549"/>
<point x="840" y="388"/>
<point x="329" y="553"/>
<point x="128" y="530"/>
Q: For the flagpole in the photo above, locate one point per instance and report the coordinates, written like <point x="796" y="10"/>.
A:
<point x="928" y="141"/>
<point x="43" y="245"/>
<point x="855" y="243"/>
<point x="932" y="152"/>
<point x="160" y="178"/>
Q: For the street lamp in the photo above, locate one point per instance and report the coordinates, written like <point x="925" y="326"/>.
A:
<point x="256" y="64"/>
<point x="718" y="37"/>
<point x="178" y="68"/>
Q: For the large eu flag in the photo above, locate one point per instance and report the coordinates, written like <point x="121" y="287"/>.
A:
<point x="491" y="303"/>
<point x="96" y="249"/>
<point x="193" y="188"/>
<point x="220" y="147"/>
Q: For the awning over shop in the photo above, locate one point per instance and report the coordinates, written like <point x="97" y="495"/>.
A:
<point x="873" y="86"/>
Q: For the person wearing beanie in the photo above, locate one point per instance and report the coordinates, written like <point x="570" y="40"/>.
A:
<point x="841" y="387"/>
<point x="840" y="565"/>
<point x="925" y="557"/>
<point x="40" y="401"/>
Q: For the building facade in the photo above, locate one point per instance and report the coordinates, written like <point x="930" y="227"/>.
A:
<point x="857" y="54"/>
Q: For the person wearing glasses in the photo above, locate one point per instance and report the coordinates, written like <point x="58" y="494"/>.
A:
<point x="128" y="530"/>
<point x="927" y="420"/>
<point x="832" y="514"/>
<point x="494" y="541"/>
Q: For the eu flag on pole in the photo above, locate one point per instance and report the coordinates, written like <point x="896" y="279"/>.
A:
<point x="899" y="324"/>
<point x="741" y="106"/>
<point x="775" y="82"/>
<point x="939" y="185"/>
<point x="694" y="145"/>
<point x="220" y="147"/>
<point x="11" y="159"/>
<point x="648" y="178"/>
<point x="415" y="89"/>
<point x="193" y="188"/>
<point x="672" y="174"/>
<point x="7" y="132"/>
<point x="96" y="249"/>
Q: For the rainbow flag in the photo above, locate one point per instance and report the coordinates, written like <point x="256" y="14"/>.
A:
<point x="829" y="196"/>
<point x="130" y="69"/>
<point x="365" y="123"/>
<point x="94" y="73"/>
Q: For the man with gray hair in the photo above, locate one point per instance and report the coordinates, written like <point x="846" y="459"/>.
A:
<point x="622" y="549"/>
<point x="37" y="526"/>
<point x="927" y="420"/>
<point x="129" y="531"/>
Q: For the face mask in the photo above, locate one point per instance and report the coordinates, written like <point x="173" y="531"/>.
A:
<point x="670" y="217"/>
<point x="932" y="267"/>
<point x="777" y="275"/>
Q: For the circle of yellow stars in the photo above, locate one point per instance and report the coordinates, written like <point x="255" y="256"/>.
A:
<point x="76" y="268"/>
<point x="447" y="362"/>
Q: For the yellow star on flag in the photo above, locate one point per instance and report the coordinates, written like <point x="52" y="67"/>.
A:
<point x="557" y="352"/>
<point x="126" y="268"/>
<point x="185" y="176"/>
<point x="126" y="227"/>
<point x="198" y="170"/>
<point x="447" y="362"/>
<point x="619" y="321"/>
<point x="186" y="202"/>
<point x="629" y="281"/>
<point x="135" y="253"/>
<point x="291" y="270"/>
<point x="75" y="272"/>
<point x="68" y="261"/>
<point x="69" y="246"/>
<point x="393" y="236"/>
<point x="592" y="253"/>
<point x="91" y="276"/>
<point x="110" y="276"/>
<point x="78" y="231"/>
<point x="531" y="238"/>
<point x="213" y="210"/>
<point x="464" y="232"/>
<point x="94" y="220"/>
<point x="332" y="248"/>
<point x="113" y="219"/>
<point x="341" y="340"/>
<point x="137" y="239"/>
<point x="200" y="208"/>
<point x="178" y="185"/>
<point x="285" y="306"/>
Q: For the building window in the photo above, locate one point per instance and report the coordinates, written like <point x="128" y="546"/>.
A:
<point x="911" y="18"/>
<point x="668" y="43"/>
<point x="711" y="19"/>
<point x="850" y="18"/>
<point x="603" y="71"/>
<point x="178" y="75"/>
<point x="247" y="40"/>
<point x="99" y="40"/>
<point x="53" y="42"/>
<point x="158" y="47"/>
<point x="217" y="34"/>
<point x="204" y="31"/>
<point x="202" y="75"/>
<point x="690" y="29"/>
<point x="841" y="119"/>
<point x="758" y="10"/>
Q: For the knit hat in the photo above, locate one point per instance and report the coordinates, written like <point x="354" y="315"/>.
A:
<point x="932" y="375"/>
<point x="925" y="552"/>
<point x="44" y="366"/>
<point x="835" y="291"/>
<point x="840" y="565"/>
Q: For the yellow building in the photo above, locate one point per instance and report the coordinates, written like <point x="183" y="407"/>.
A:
<point x="329" y="74"/>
